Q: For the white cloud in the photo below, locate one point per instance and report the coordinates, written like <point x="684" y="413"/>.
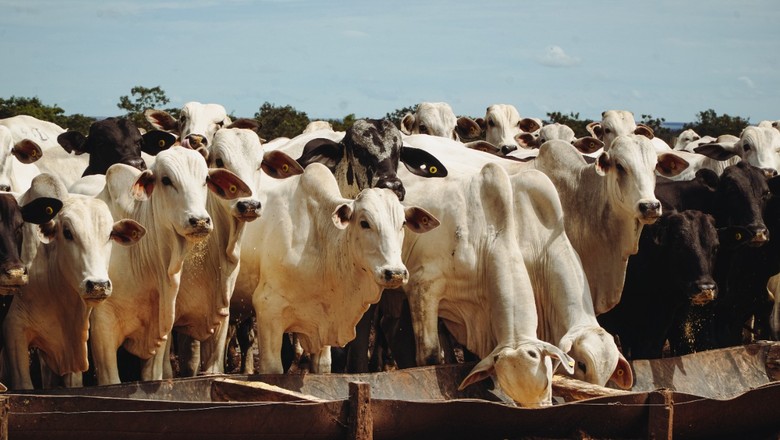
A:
<point x="556" y="57"/>
<point x="747" y="82"/>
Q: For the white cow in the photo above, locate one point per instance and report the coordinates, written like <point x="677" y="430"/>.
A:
<point x="17" y="169"/>
<point x="616" y="123"/>
<point x="438" y="119"/>
<point x="68" y="277"/>
<point x="502" y="124"/>
<point x="141" y="311"/>
<point x="757" y="146"/>
<point x="196" y="125"/>
<point x="586" y="145"/>
<point x="43" y="133"/>
<point x="606" y="204"/>
<point x="315" y="261"/>
<point x="210" y="271"/>
<point x="688" y="139"/>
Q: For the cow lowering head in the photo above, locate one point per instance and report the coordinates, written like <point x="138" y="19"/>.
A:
<point x="239" y="151"/>
<point x="368" y="157"/>
<point x="597" y="358"/>
<point x="13" y="273"/>
<point x="196" y="126"/>
<point x="375" y="223"/>
<point x="79" y="242"/>
<point x="115" y="140"/>
<point x="523" y="372"/>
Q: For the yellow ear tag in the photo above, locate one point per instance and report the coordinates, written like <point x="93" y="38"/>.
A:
<point x="738" y="236"/>
<point x="34" y="154"/>
<point x="285" y="168"/>
<point x="424" y="220"/>
<point x="135" y="234"/>
<point x="233" y="188"/>
<point x="161" y="143"/>
<point x="49" y="210"/>
<point x="620" y="372"/>
<point x="433" y="170"/>
<point x="571" y="364"/>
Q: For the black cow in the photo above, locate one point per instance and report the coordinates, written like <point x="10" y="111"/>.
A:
<point x="735" y="198"/>
<point x="674" y="267"/>
<point x="115" y="140"/>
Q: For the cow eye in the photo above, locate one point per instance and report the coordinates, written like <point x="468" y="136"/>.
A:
<point x="582" y="366"/>
<point x="424" y="129"/>
<point x="167" y="181"/>
<point x="608" y="130"/>
<point x="219" y="163"/>
<point x="532" y="354"/>
<point x="364" y="224"/>
<point x="67" y="234"/>
<point x="220" y="124"/>
<point x="746" y="147"/>
<point x="491" y="123"/>
<point x="620" y="169"/>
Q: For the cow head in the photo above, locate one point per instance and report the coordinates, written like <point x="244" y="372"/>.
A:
<point x="502" y="125"/>
<point x="368" y="157"/>
<point x="438" y="119"/>
<point x="524" y="372"/>
<point x="742" y="192"/>
<point x="616" y="123"/>
<point x="115" y="140"/>
<point x="81" y="236"/>
<point x="239" y="151"/>
<point x="25" y="151"/>
<point x="196" y="126"/>
<point x="758" y="146"/>
<point x="13" y="273"/>
<point x="597" y="358"/>
<point x="375" y="223"/>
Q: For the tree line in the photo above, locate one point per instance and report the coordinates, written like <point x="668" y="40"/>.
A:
<point x="286" y="121"/>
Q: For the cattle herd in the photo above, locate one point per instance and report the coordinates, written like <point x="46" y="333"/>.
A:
<point x="530" y="251"/>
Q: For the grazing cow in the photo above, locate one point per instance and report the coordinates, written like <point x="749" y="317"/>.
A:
<point x="682" y="246"/>
<point x="757" y="146"/>
<point x="502" y="124"/>
<point x="606" y="204"/>
<point x="68" y="277"/>
<point x="210" y="271"/>
<point x="115" y="140"/>
<point x="140" y="313"/>
<point x="471" y="273"/>
<point x="318" y="260"/>
<point x="438" y="119"/>
<point x="196" y="125"/>
<point x="16" y="162"/>
<point x="43" y="133"/>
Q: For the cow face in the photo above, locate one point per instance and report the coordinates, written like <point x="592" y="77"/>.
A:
<point x="180" y="180"/>
<point x="616" y="123"/>
<point x="368" y="157"/>
<point x="597" y="359"/>
<point x="524" y="373"/>
<point x="13" y="273"/>
<point x="759" y="147"/>
<point x="629" y="167"/>
<point x="502" y="126"/>
<point x="438" y="119"/>
<point x="25" y="151"/>
<point x="375" y="223"/>
<point x="81" y="238"/>
<point x="112" y="141"/>
<point x="196" y="126"/>
<point x="239" y="151"/>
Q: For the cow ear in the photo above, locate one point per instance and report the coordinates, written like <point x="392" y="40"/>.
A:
<point x="556" y="353"/>
<point x="622" y="376"/>
<point x="527" y="140"/>
<point x="732" y="237"/>
<point x="342" y="215"/>
<point x="603" y="163"/>
<point x="245" y="123"/>
<point x="127" y="232"/>
<point x="482" y="124"/>
<point x="467" y="128"/>
<point x="670" y="164"/>
<point x="422" y="163"/>
<point x="143" y="186"/>
<point x="419" y="220"/>
<point x="27" y="151"/>
<point x="717" y="151"/>
<point x="708" y="178"/>
<point x="644" y="130"/>
<point x="774" y="185"/>
<point x="227" y="185"/>
<point x="322" y="150"/>
<point x="588" y="144"/>
<point x="73" y="141"/>
<point x="155" y="141"/>
<point x="161" y="120"/>
<point x="485" y="146"/>
<point x="483" y="370"/>
<point x="407" y="123"/>
<point x="595" y="129"/>
<point x="529" y="125"/>
<point x="41" y="210"/>
<point x="47" y="231"/>
<point x="279" y="165"/>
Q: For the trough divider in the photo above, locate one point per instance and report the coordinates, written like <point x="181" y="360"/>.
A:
<point x="660" y="417"/>
<point x="361" y="422"/>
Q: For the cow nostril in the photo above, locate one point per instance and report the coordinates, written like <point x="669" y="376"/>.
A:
<point x="5" y="187"/>
<point x="706" y="286"/>
<point x="506" y="149"/>
<point x="649" y="206"/>
<point x="769" y="172"/>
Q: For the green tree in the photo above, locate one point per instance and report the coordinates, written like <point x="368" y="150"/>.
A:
<point x="572" y="120"/>
<point x="399" y="114"/>
<point x="277" y="121"/>
<point x="77" y="122"/>
<point x="15" y="106"/>
<point x="658" y="129"/>
<point x="144" y="98"/>
<point x="343" y="124"/>
<point x="708" y="123"/>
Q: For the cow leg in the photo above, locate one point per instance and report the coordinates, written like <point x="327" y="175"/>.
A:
<point x="269" y="339"/>
<point x="213" y="350"/>
<point x="357" y="349"/>
<point x="321" y="361"/>
<point x="17" y="354"/>
<point x="104" y="354"/>
<point x="73" y="380"/>
<point x="247" y="342"/>
<point x="188" y="351"/>
<point x="424" y="308"/>
<point x="153" y="368"/>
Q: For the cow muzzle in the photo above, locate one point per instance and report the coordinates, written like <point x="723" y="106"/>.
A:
<point x="760" y="236"/>
<point x="14" y="277"/>
<point x="649" y="211"/>
<point x="96" y="291"/>
<point x="392" y="278"/>
<point x="394" y="184"/>
<point x="706" y="292"/>
<point x="194" y="142"/>
<point x="247" y="210"/>
<point x="199" y="228"/>
<point x="506" y="149"/>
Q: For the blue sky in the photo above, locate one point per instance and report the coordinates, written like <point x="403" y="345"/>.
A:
<point x="669" y="59"/>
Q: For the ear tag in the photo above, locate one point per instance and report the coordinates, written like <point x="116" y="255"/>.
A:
<point x="433" y="170"/>
<point x="424" y="220"/>
<point x="161" y="143"/>
<point x="49" y="210"/>
<point x="233" y="188"/>
<point x="135" y="234"/>
<point x="619" y="372"/>
<point x="34" y="153"/>
<point x="738" y="236"/>
<point x="285" y="168"/>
